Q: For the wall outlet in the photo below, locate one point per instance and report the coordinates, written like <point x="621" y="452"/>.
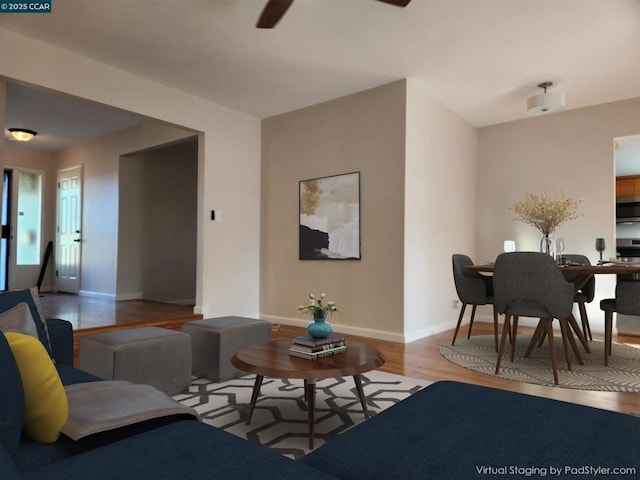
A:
<point x="455" y="304"/>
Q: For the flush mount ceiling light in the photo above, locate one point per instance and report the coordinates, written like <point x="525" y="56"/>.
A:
<point x="545" y="102"/>
<point x="22" y="134"/>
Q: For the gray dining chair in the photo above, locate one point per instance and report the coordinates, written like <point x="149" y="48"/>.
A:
<point x="530" y="284"/>
<point x="473" y="289"/>
<point x="627" y="302"/>
<point x="585" y="294"/>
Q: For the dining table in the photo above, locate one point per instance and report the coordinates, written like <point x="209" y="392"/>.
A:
<point x="579" y="275"/>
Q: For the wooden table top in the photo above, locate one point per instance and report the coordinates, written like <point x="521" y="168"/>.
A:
<point x="575" y="269"/>
<point x="272" y="359"/>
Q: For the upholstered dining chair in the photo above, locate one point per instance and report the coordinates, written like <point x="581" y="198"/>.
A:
<point x="585" y="294"/>
<point x="627" y="302"/>
<point x="473" y="289"/>
<point x="530" y="284"/>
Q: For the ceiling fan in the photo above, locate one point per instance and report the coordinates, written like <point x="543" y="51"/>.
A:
<point x="275" y="10"/>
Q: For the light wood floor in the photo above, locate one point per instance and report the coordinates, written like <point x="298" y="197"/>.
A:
<point x="420" y="359"/>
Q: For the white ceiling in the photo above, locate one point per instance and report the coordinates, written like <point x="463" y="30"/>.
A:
<point x="482" y="58"/>
<point x="61" y="120"/>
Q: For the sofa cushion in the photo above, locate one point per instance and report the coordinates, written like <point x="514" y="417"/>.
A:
<point x="186" y="449"/>
<point x="8" y="469"/>
<point x="70" y="375"/>
<point x="31" y="297"/>
<point x="46" y="408"/>
<point x="459" y="431"/>
<point x="12" y="395"/>
<point x="61" y="339"/>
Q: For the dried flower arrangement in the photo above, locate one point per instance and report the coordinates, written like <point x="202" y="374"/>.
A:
<point x="545" y="212"/>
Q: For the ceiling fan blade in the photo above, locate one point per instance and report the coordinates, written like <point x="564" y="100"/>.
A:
<point x="397" y="3"/>
<point x="273" y="12"/>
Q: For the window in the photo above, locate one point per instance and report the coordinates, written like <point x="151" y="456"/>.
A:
<point x="28" y="238"/>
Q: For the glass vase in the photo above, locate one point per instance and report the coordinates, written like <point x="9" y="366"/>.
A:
<point x="548" y="245"/>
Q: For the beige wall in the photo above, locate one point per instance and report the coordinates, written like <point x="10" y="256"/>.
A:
<point x="364" y="132"/>
<point x="228" y="168"/>
<point x="418" y="166"/>
<point x="570" y="151"/>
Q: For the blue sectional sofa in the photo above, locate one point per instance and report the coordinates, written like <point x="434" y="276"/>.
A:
<point x="173" y="447"/>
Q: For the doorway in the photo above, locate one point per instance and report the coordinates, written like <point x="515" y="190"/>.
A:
<point x="68" y="230"/>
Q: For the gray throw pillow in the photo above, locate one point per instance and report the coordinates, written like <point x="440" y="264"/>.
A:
<point x="31" y="297"/>
<point x="18" y="319"/>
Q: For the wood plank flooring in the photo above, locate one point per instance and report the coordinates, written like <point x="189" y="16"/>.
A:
<point x="420" y="359"/>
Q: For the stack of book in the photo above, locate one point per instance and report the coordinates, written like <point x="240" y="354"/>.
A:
<point x="311" y="348"/>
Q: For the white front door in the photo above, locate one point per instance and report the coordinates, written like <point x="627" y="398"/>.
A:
<point x="69" y="232"/>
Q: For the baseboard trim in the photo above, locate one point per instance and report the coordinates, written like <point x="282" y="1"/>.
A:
<point x="349" y="330"/>
<point x="104" y="296"/>
<point x="128" y="296"/>
<point x="189" y="301"/>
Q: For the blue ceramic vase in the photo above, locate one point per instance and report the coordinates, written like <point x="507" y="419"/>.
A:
<point x="320" y="328"/>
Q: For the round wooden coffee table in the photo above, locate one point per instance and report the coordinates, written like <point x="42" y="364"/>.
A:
<point x="272" y="359"/>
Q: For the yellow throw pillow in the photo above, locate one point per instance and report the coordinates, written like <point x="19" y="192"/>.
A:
<point x="46" y="406"/>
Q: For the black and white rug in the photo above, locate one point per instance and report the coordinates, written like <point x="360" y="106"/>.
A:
<point x="280" y="418"/>
<point x="622" y="375"/>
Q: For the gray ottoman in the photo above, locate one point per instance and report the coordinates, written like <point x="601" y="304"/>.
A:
<point x="215" y="340"/>
<point x="150" y="355"/>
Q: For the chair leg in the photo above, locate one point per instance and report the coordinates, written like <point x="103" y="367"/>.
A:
<point x="565" y="346"/>
<point x="513" y="338"/>
<point x="583" y="340"/>
<point x="495" y="327"/>
<point x="608" y="330"/>
<point x="505" y="329"/>
<point x="455" y="334"/>
<point x="552" y="349"/>
<point x="586" y="328"/>
<point x="542" y="337"/>
<point x="473" y="316"/>
<point x="539" y="333"/>
<point x="574" y="347"/>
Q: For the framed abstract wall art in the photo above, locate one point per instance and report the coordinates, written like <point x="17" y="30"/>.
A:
<point x="330" y="218"/>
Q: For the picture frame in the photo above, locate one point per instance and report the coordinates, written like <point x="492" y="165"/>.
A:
<point x="329" y="218"/>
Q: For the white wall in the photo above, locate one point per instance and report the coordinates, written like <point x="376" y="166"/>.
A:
<point x="570" y="151"/>
<point x="229" y="161"/>
<point x="439" y="216"/>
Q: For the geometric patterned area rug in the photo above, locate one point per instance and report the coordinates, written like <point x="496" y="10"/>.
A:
<point x="279" y="420"/>
<point x="622" y="375"/>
